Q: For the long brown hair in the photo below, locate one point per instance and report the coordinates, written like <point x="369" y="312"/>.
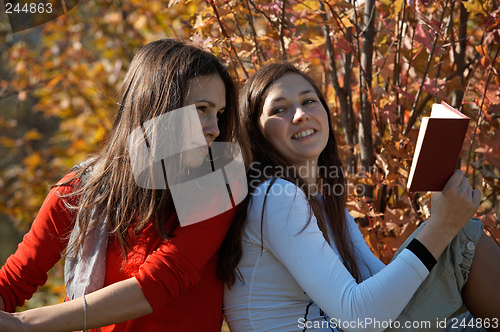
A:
<point x="252" y="98"/>
<point x="157" y="82"/>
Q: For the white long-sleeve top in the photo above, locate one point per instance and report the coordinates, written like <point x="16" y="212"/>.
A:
<point x="295" y="281"/>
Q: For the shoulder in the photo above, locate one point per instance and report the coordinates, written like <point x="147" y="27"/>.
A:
<point x="276" y="188"/>
<point x="77" y="176"/>
<point x="65" y="192"/>
<point x="277" y="199"/>
<point x="276" y="192"/>
<point x="66" y="187"/>
<point x="350" y="219"/>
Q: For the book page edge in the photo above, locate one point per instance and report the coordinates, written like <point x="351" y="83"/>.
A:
<point x="420" y="140"/>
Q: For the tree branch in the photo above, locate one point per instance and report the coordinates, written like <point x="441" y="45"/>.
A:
<point x="413" y="114"/>
<point x="479" y="116"/>
<point x="282" y="29"/>
<point x="260" y="53"/>
<point x="397" y="64"/>
<point x="227" y="39"/>
<point x="265" y="15"/>
<point x="365" y="80"/>
<point x="341" y="92"/>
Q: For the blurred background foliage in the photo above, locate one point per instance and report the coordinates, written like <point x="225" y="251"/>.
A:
<point x="381" y="64"/>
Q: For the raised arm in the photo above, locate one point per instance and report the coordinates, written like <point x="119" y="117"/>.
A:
<point x="320" y="271"/>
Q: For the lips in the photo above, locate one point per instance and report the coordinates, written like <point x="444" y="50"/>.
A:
<point x="304" y="133"/>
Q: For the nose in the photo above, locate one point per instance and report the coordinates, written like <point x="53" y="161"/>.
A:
<point x="300" y="115"/>
<point x="211" y="128"/>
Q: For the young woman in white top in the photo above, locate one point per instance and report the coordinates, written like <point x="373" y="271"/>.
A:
<point x="299" y="261"/>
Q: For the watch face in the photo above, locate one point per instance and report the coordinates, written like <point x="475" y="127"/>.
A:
<point x="170" y="151"/>
<point x="26" y="14"/>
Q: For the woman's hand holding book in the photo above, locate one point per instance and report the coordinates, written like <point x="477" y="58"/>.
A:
<point x="451" y="209"/>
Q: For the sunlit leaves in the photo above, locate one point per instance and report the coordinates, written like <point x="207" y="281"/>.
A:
<point x="476" y="7"/>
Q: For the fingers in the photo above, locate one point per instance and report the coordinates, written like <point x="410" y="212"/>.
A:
<point x="459" y="184"/>
<point x="464" y="185"/>
<point x="454" y="181"/>
<point x="469" y="192"/>
<point x="455" y="205"/>
<point x="476" y="197"/>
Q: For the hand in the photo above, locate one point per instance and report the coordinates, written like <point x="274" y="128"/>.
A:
<point x="451" y="210"/>
<point x="453" y="207"/>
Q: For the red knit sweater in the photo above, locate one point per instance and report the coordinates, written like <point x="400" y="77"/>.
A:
<point x="177" y="276"/>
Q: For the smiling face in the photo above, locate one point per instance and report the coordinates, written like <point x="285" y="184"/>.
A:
<point x="208" y="94"/>
<point x="294" y="120"/>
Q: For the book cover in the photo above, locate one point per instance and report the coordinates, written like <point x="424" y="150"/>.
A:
<point x="439" y="143"/>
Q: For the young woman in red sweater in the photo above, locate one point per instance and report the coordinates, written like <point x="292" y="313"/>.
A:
<point x="127" y="254"/>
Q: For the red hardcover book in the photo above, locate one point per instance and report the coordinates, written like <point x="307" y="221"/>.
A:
<point x="438" y="147"/>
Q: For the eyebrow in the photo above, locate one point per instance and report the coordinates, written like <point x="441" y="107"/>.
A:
<point x="211" y="104"/>
<point x="300" y="94"/>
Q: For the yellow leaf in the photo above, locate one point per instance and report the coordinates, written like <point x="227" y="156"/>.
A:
<point x="192" y="9"/>
<point x="311" y="4"/>
<point x="32" y="135"/>
<point x="98" y="135"/>
<point x="7" y="142"/>
<point x="474" y="7"/>
<point x="347" y="22"/>
<point x="396" y="8"/>
<point x="33" y="160"/>
<point x="366" y="181"/>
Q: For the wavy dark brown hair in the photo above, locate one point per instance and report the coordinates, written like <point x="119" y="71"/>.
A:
<point x="252" y="98"/>
<point x="157" y="82"/>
